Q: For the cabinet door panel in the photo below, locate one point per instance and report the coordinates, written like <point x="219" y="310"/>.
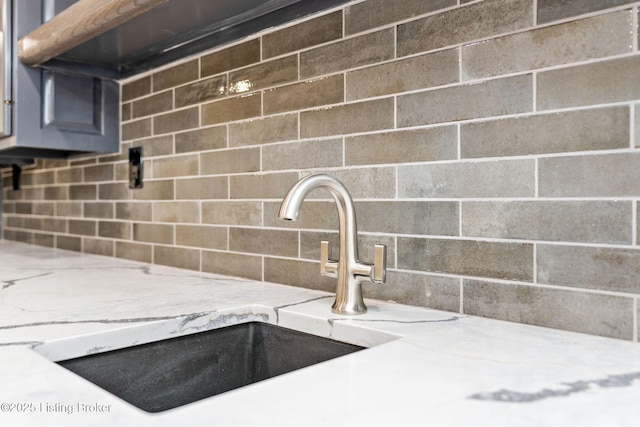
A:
<point x="72" y="103"/>
<point x="58" y="112"/>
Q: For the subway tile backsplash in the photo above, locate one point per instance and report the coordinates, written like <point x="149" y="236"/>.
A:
<point x="490" y="144"/>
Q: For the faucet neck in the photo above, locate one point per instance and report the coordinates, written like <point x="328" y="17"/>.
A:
<point x="346" y="211"/>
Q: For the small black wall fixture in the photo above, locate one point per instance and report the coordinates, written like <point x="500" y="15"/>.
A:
<point x="16" y="176"/>
<point x="135" y="167"/>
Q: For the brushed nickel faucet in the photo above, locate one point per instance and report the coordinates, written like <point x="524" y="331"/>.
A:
<point x="348" y="269"/>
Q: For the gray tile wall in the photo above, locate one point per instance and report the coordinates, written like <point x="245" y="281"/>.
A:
<point x="492" y="145"/>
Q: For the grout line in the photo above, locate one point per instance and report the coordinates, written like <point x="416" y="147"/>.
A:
<point x="534" y="95"/>
<point x="634" y="316"/>
<point x="632" y="126"/>
<point x="535" y="263"/>
<point x="460" y="233"/>
<point x="461" y="302"/>
<point x="536" y="178"/>
<point x="634" y="31"/>
<point x="634" y="223"/>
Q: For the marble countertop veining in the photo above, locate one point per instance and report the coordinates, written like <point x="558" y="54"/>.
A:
<point x="423" y="367"/>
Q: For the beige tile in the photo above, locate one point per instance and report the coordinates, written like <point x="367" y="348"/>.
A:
<point x="232" y="213"/>
<point x="605" y="315"/>
<point x="297" y="273"/>
<point x="184" y="165"/>
<point x="82" y="192"/>
<point x="69" y="209"/>
<point x="262" y="186"/>
<point x="363" y="183"/>
<point x="38" y="178"/>
<point x="155" y="190"/>
<point x="201" y="236"/>
<point x="54" y="225"/>
<point x="349" y="53"/>
<point x="43" y="240"/>
<point x="232" y="109"/>
<point x="114" y="230"/>
<point x="177" y="257"/>
<point x="605" y="269"/>
<point x="503" y="178"/>
<point x="498" y="260"/>
<point x="32" y="223"/>
<point x="552" y="10"/>
<point x="200" y="91"/>
<point x="230" y="161"/>
<point x="308" y="94"/>
<point x="153" y="233"/>
<point x="116" y="191"/>
<point x="232" y="57"/>
<point x="136" y="129"/>
<point x="86" y="228"/>
<point x="638" y="223"/>
<point x="176" y="212"/>
<point x="434" y="69"/>
<point x="408" y="217"/>
<point x="202" y="188"/>
<point x="583" y="130"/>
<point x="315" y="31"/>
<point x="473" y="22"/>
<point x="568" y="221"/>
<point x="46" y="209"/>
<point x="134" y="211"/>
<point x="490" y="98"/>
<point x="375" y="13"/>
<point x="263" y="131"/>
<point x="265" y="242"/>
<point x="64" y="176"/>
<point x="53" y="163"/>
<point x="592" y="38"/>
<point x="176" y="75"/>
<point x="69" y="243"/>
<point x="99" y="210"/>
<point x="265" y="74"/>
<point x="439" y="293"/>
<point x="134" y="251"/>
<point x="405" y="146"/>
<point x="302" y="155"/>
<point x="350" y="118"/>
<point x="155" y="104"/>
<point x="83" y="161"/>
<point x="589" y="84"/>
<point x="176" y="121"/>
<point x="98" y="173"/>
<point x="136" y="88"/>
<point x="125" y="112"/>
<point x="636" y="122"/>
<point x="56" y="193"/>
<point x="98" y="247"/>
<point x="156" y="146"/>
<point x="211" y="138"/>
<point x="603" y="175"/>
<point x="247" y="266"/>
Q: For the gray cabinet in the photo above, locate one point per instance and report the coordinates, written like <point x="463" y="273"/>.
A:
<point x="58" y="112"/>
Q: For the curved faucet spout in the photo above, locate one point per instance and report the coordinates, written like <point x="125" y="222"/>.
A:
<point x="349" y="271"/>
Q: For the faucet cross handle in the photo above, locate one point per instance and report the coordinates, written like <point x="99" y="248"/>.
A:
<point x="328" y="267"/>
<point x="379" y="270"/>
<point x="376" y="272"/>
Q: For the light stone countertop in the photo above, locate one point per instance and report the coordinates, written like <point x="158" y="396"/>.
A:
<point x="423" y="367"/>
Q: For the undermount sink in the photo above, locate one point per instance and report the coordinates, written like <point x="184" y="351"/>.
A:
<point x="166" y="374"/>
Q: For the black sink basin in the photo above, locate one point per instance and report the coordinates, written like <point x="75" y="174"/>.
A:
<point x="170" y="373"/>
